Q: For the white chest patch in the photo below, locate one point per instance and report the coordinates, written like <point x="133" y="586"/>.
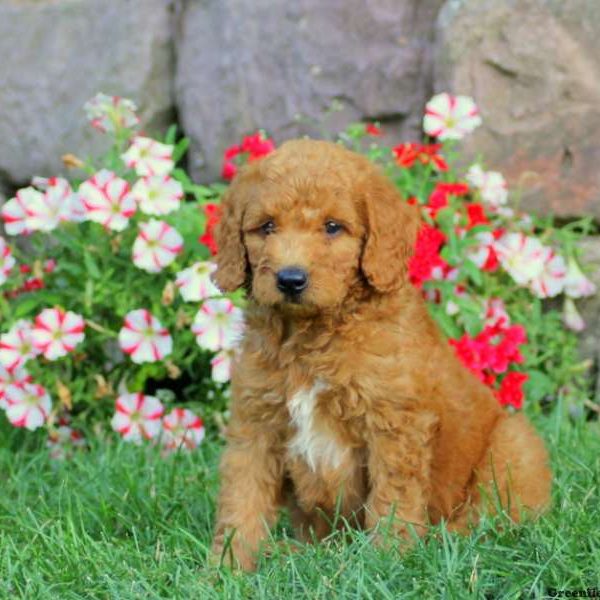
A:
<point x="314" y="442"/>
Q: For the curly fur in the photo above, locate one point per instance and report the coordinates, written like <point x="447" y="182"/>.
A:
<point x="350" y="398"/>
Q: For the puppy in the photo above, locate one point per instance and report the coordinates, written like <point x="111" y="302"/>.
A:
<point x="346" y="398"/>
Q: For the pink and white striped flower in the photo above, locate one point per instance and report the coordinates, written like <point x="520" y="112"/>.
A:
<point x="60" y="194"/>
<point x="11" y="377"/>
<point x="218" y="325"/>
<point x="158" y="195"/>
<point x="54" y="206"/>
<point x="63" y="440"/>
<point x="55" y="332"/>
<point x="28" y="405"/>
<point x="108" y="200"/>
<point x="7" y="260"/>
<point x="484" y="253"/>
<point x="144" y="338"/>
<point x="111" y="113"/>
<point x="156" y="246"/>
<point x="550" y="281"/>
<point x="15" y="213"/>
<point x="491" y="185"/>
<point x="195" y="284"/>
<point x="521" y="256"/>
<point x="182" y="429"/>
<point x="221" y="365"/>
<point x="450" y="117"/>
<point x="16" y="346"/>
<point x="149" y="157"/>
<point x="137" y="417"/>
<point x="495" y="312"/>
<point x="572" y="317"/>
<point x="577" y="285"/>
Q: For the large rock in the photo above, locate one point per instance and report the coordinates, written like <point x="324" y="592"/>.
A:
<point x="248" y="64"/>
<point x="56" y="54"/>
<point x="533" y="67"/>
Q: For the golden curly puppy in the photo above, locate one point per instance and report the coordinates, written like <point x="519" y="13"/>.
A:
<point x="346" y="397"/>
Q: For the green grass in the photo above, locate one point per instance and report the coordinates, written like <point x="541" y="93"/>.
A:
<point x="121" y="522"/>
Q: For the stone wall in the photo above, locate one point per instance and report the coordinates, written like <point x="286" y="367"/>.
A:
<point x="223" y="68"/>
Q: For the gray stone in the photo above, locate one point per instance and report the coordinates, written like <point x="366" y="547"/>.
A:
<point x="248" y="64"/>
<point x="533" y="67"/>
<point x="58" y="54"/>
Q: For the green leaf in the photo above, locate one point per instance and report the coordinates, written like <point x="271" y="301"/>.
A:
<point x="26" y="305"/>
<point x="537" y="386"/>
<point x="472" y="271"/>
<point x="171" y="135"/>
<point x="91" y="266"/>
<point x="180" y="149"/>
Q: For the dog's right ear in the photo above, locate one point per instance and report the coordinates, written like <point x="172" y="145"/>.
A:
<point x="232" y="264"/>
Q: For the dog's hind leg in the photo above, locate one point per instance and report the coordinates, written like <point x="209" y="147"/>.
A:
<point x="513" y="476"/>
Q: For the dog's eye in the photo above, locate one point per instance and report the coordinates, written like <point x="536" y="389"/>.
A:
<point x="332" y="227"/>
<point x="267" y="227"/>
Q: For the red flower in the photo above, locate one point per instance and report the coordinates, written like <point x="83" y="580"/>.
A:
<point x="408" y="153"/>
<point x="427" y="255"/>
<point x="229" y="170"/>
<point x="510" y="392"/>
<point x="231" y="152"/>
<point x="493" y="351"/>
<point x="257" y="146"/>
<point x="476" y="214"/>
<point x="213" y="214"/>
<point x="372" y="129"/>
<point x="438" y="198"/>
<point x="252" y="148"/>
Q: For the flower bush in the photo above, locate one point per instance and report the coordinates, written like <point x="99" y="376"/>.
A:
<point x="109" y="314"/>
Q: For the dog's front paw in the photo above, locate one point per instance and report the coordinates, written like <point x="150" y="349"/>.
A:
<point x="229" y="552"/>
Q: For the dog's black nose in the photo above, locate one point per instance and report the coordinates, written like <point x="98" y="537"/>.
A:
<point x="291" y="281"/>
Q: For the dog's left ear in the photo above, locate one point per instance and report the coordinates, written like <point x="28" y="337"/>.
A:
<point x="392" y="228"/>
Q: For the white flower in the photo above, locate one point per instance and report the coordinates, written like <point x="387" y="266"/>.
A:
<point x="483" y="254"/>
<point x="110" y="113"/>
<point x="491" y="185"/>
<point x="571" y="317"/>
<point x="218" y="325"/>
<point x="195" y="284"/>
<point x="62" y="441"/>
<point x="156" y="246"/>
<point x="11" y="377"/>
<point x="495" y="312"/>
<point x="144" y="338"/>
<point x="28" y="405"/>
<point x="149" y="157"/>
<point x="137" y="417"/>
<point x="15" y="213"/>
<point x="107" y="200"/>
<point x="7" y="261"/>
<point x="221" y="365"/>
<point x="550" y="281"/>
<point x="521" y="256"/>
<point x="55" y="332"/>
<point x="182" y="429"/>
<point x="577" y="285"/>
<point x="46" y="211"/>
<point x="60" y="192"/>
<point x="450" y="117"/>
<point x="158" y="195"/>
<point x="16" y="346"/>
